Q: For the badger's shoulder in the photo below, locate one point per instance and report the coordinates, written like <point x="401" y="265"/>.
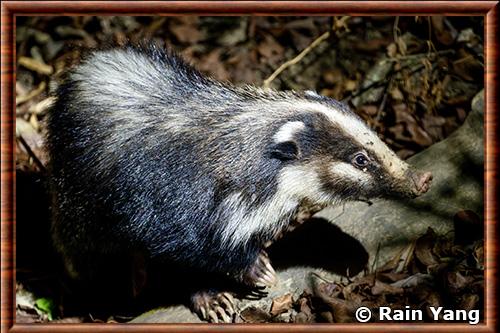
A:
<point x="134" y="75"/>
<point x="147" y="63"/>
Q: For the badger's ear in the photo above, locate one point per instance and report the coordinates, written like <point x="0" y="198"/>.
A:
<point x="285" y="151"/>
<point x="285" y="146"/>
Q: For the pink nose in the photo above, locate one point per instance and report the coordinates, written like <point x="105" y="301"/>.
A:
<point x="422" y="182"/>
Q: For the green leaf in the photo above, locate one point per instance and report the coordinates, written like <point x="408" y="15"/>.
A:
<point x="47" y="306"/>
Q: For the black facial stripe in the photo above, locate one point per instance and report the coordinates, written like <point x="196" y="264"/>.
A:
<point x="323" y="138"/>
<point x="375" y="160"/>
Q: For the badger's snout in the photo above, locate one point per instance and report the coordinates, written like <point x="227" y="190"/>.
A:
<point x="422" y="182"/>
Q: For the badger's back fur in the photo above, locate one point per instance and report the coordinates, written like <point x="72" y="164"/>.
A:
<point x="148" y="154"/>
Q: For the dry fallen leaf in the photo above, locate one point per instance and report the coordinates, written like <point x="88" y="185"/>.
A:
<point x="469" y="302"/>
<point x="253" y="314"/>
<point x="413" y="281"/>
<point x="457" y="281"/>
<point x="423" y="248"/>
<point x="479" y="255"/>
<point x="186" y="30"/>
<point x="442" y="31"/>
<point x="383" y="288"/>
<point x="342" y="310"/>
<point x="391" y="276"/>
<point x="419" y="135"/>
<point x="370" y="110"/>
<point x="270" y="50"/>
<point x="396" y="94"/>
<point x="281" y="304"/>
<point x="212" y="64"/>
<point x="305" y="314"/>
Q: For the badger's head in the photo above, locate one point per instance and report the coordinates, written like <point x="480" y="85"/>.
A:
<point x="329" y="154"/>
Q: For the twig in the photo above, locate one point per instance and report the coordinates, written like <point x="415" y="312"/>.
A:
<point x="375" y="260"/>
<point x="340" y="214"/>
<point x="321" y="277"/>
<point x="395" y="30"/>
<point x="374" y="84"/>
<point x="420" y="55"/>
<point x="429" y="29"/>
<point x="301" y="55"/>
<point x="295" y="60"/>
<point x="359" y="92"/>
<point x="37" y="91"/>
<point x="429" y="43"/>
<point x="377" y="84"/>
<point x="382" y="104"/>
<point x="37" y="161"/>
<point x="466" y="58"/>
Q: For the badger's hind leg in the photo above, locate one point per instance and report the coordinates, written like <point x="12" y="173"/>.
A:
<point x="261" y="273"/>
<point x="214" y="306"/>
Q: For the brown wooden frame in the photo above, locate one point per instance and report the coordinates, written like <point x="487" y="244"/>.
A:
<point x="11" y="9"/>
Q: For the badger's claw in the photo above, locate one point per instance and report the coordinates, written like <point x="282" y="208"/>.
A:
<point x="227" y="301"/>
<point x="213" y="306"/>
<point x="261" y="274"/>
<point x="256" y="293"/>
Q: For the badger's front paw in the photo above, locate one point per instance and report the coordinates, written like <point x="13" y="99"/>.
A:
<point x="214" y="307"/>
<point x="261" y="273"/>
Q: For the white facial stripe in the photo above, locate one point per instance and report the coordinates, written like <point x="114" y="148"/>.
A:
<point x="301" y="182"/>
<point x="295" y="183"/>
<point x="348" y="171"/>
<point x="364" y="136"/>
<point x="288" y="130"/>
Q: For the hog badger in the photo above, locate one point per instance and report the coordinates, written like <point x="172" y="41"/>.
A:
<point x="149" y="155"/>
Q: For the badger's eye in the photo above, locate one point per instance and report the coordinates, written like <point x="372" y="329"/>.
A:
<point x="360" y="160"/>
